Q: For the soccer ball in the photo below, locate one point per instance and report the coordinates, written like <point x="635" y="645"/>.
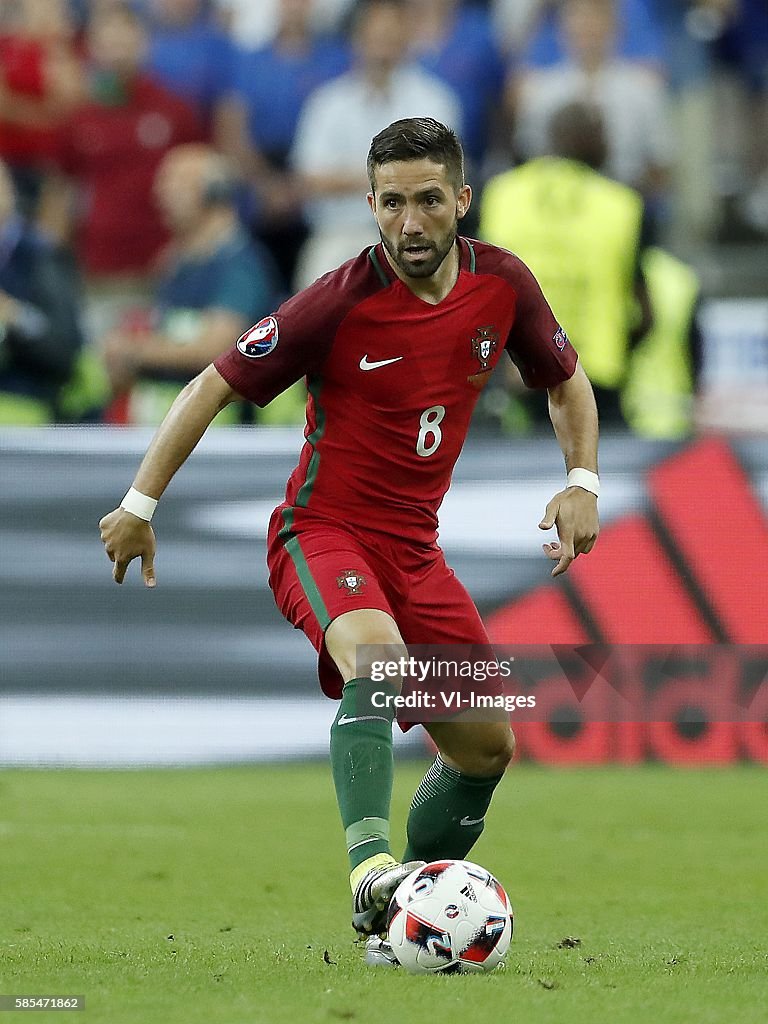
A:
<point x="450" y="917"/>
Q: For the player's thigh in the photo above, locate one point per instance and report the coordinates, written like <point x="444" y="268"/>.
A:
<point x="480" y="748"/>
<point x="325" y="584"/>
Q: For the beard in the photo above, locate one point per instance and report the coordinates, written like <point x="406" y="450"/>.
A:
<point x="427" y="262"/>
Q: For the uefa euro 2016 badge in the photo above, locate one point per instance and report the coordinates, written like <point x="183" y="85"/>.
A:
<point x="260" y="340"/>
<point x="484" y="344"/>
<point x="351" y="581"/>
<point x="560" y="338"/>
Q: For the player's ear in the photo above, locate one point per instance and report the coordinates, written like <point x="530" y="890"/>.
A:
<point x="372" y="203"/>
<point x="463" y="201"/>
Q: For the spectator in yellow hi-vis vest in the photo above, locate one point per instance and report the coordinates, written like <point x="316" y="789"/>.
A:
<point x="583" y="236"/>
<point x="658" y="396"/>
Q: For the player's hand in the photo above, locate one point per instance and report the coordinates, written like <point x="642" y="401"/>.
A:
<point x="574" y="513"/>
<point x="126" y="537"/>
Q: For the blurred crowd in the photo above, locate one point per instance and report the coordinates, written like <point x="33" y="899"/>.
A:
<point x="171" y="169"/>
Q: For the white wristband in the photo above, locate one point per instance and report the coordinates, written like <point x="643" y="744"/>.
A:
<point x="585" y="479"/>
<point x="139" y="504"/>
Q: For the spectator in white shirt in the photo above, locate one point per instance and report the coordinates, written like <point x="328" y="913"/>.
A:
<point x="631" y="97"/>
<point x="338" y="122"/>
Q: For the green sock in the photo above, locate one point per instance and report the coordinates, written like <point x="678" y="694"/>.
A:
<point x="447" y="813"/>
<point x="361" y="762"/>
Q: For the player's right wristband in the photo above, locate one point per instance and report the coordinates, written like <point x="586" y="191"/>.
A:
<point x="139" y="504"/>
<point x="585" y="479"/>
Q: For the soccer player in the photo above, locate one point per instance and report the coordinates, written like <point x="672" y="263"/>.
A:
<point x="396" y="346"/>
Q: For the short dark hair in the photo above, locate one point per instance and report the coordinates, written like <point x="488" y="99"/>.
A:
<point x="418" y="138"/>
<point x="577" y="132"/>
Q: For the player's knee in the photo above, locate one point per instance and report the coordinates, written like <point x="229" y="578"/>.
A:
<point x="367" y="645"/>
<point x="495" y="755"/>
<point x="381" y="661"/>
<point x="506" y="751"/>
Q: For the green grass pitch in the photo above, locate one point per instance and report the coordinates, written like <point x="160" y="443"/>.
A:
<point x="220" y="897"/>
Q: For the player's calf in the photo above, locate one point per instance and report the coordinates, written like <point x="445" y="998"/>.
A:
<point x="448" y="810"/>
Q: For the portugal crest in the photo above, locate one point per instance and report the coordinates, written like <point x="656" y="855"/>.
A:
<point x="484" y="344"/>
<point x="350" y="581"/>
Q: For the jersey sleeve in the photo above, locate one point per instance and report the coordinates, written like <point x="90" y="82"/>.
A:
<point x="537" y="344"/>
<point x="295" y="341"/>
<point x="275" y="352"/>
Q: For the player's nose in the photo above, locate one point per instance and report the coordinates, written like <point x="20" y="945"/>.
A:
<point x="412" y="232"/>
<point x="412" y="224"/>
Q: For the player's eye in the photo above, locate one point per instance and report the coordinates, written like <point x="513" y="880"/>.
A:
<point x="391" y="204"/>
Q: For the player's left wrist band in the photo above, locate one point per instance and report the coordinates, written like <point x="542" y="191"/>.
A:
<point x="139" y="504"/>
<point x="585" y="479"/>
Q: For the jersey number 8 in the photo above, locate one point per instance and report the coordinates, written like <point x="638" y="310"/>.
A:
<point x="430" y="428"/>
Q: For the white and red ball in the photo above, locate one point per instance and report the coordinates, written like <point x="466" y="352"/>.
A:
<point x="451" y="916"/>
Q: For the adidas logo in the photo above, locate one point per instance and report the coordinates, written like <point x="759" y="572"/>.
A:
<point x="686" y="570"/>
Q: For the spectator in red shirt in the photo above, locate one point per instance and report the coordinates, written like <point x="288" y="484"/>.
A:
<point x="113" y="145"/>
<point x="41" y="83"/>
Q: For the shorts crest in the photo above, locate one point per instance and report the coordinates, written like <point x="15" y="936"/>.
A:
<point x="351" y="581"/>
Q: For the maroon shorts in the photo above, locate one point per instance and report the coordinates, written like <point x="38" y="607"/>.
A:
<point x="320" y="569"/>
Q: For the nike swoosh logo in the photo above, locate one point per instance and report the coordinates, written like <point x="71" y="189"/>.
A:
<point x="471" y="821"/>
<point x="363" y="718"/>
<point x="365" y="365"/>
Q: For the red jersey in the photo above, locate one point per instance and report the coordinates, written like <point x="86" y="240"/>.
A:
<point x="393" y="380"/>
<point x="115" y="152"/>
<point x="22" y="71"/>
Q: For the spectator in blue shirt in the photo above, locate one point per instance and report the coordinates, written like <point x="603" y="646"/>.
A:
<point x="274" y="82"/>
<point x="216" y="284"/>
<point x="639" y="38"/>
<point x="272" y="85"/>
<point x="191" y="56"/>
<point x="744" y="47"/>
<point x="458" y="45"/>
